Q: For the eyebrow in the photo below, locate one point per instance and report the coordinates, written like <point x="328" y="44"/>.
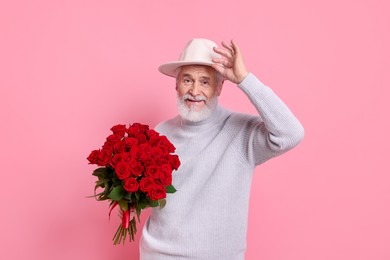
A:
<point x="187" y="75"/>
<point x="202" y="77"/>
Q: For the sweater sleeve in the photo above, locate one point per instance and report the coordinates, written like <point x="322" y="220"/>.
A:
<point x="275" y="131"/>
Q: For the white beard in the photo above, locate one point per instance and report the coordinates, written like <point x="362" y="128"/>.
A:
<point x="190" y="114"/>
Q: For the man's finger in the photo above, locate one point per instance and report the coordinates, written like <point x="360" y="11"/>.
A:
<point x="219" y="60"/>
<point x="230" y="48"/>
<point x="218" y="68"/>
<point x="235" y="46"/>
<point x="224" y="62"/>
<point x="223" y="52"/>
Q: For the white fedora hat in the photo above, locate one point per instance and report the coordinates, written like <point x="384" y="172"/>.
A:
<point x="196" y="52"/>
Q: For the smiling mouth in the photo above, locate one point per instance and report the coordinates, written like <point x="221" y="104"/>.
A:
<point x="196" y="104"/>
<point x="192" y="100"/>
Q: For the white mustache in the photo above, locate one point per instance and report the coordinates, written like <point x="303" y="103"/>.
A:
<point x="193" y="98"/>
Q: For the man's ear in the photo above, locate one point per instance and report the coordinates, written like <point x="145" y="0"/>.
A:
<point x="219" y="88"/>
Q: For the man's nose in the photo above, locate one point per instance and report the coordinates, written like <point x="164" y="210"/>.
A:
<point x="196" y="89"/>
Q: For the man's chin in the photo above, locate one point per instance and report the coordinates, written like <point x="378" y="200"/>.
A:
<point x="196" y="109"/>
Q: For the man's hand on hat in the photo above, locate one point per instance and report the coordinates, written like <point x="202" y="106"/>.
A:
<point x="231" y="64"/>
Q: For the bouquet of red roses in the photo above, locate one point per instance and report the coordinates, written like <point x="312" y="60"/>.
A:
<point x="135" y="172"/>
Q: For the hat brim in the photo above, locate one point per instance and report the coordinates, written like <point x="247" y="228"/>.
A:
<point x="169" y="68"/>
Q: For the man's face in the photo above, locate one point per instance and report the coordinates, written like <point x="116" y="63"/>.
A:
<point x="197" y="90"/>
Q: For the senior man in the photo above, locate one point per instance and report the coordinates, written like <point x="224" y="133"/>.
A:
<point x="207" y="217"/>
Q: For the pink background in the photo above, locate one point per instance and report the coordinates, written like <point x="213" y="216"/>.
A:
<point x="72" y="69"/>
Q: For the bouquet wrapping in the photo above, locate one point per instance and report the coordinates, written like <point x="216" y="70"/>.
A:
<point x="135" y="172"/>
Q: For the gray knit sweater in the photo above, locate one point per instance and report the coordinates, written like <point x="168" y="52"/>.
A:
<point x="207" y="217"/>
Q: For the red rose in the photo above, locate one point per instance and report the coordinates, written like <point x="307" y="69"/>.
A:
<point x="114" y="138"/>
<point x="175" y="162"/>
<point x="119" y="147"/>
<point x="144" y="128"/>
<point x="147" y="162"/>
<point x="166" y="168"/>
<point x="153" y="172"/>
<point x="156" y="152"/>
<point x="146" y="184"/>
<point x="136" y="168"/>
<point x="165" y="178"/>
<point x="145" y="152"/>
<point x="145" y="147"/>
<point x="108" y="146"/>
<point x="119" y="129"/>
<point x="104" y="158"/>
<point x="116" y="159"/>
<point x="135" y="152"/>
<point x="158" y="161"/>
<point x="166" y="158"/>
<point x="154" y="140"/>
<point x="127" y="157"/>
<point x="151" y="133"/>
<point x="134" y="129"/>
<point x="131" y="141"/>
<point x="131" y="184"/>
<point x="165" y="142"/>
<point x="93" y="157"/>
<point x="122" y="170"/>
<point x="157" y="192"/>
<point x="141" y="138"/>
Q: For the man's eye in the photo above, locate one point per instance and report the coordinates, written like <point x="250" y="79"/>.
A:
<point x="187" y="81"/>
<point x="205" y="82"/>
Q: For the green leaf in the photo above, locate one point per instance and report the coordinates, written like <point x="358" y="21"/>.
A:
<point x="152" y="203"/>
<point x="170" y="189"/>
<point x="138" y="210"/>
<point x="142" y="204"/>
<point x="100" y="183"/>
<point x="117" y="193"/>
<point x="162" y="203"/>
<point x="101" y="195"/>
<point x="100" y="172"/>
<point x="128" y="196"/>
<point x="138" y="194"/>
<point x="123" y="204"/>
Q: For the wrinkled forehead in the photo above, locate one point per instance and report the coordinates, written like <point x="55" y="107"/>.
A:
<point x="197" y="71"/>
